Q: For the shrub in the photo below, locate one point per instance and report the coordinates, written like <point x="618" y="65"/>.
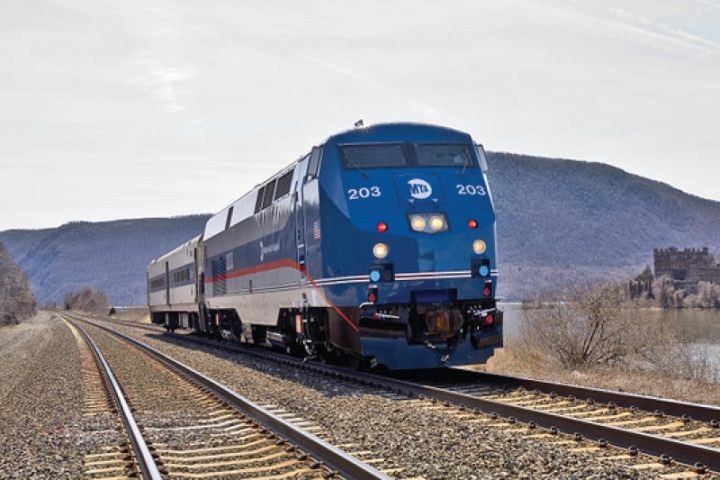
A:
<point x="664" y="292"/>
<point x="683" y="361"/>
<point x="708" y="295"/>
<point x="592" y="325"/>
<point x="87" y="299"/>
<point x="599" y="326"/>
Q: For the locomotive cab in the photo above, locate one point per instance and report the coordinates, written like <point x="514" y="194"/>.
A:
<point x="408" y="208"/>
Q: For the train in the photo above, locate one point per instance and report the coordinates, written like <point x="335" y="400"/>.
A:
<point x="377" y="248"/>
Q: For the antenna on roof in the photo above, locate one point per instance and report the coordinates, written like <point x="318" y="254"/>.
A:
<point x="359" y="123"/>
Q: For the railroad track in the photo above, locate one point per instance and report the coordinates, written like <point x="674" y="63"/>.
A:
<point x="114" y="455"/>
<point x="669" y="431"/>
<point x="182" y="424"/>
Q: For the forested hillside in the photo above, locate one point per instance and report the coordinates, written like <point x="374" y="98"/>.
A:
<point x="559" y="221"/>
<point x="110" y="256"/>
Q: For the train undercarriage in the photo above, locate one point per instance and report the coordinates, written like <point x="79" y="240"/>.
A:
<point x="382" y="336"/>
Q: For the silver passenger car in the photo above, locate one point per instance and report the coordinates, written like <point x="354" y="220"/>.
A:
<point x="175" y="286"/>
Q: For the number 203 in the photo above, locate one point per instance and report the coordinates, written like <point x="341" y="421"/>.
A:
<point x="470" y="189"/>
<point x="364" y="192"/>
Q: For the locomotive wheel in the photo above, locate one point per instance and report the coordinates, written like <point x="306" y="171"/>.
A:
<point x="331" y="354"/>
<point x="236" y="328"/>
<point x="258" y="336"/>
<point x="322" y="354"/>
<point x="358" y="362"/>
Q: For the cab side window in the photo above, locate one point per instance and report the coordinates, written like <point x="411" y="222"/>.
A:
<point x="314" y="166"/>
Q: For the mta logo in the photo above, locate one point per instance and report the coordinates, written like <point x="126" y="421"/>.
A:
<point x="419" y="188"/>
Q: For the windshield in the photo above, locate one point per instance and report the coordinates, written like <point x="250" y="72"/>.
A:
<point x="442" y="156"/>
<point x="373" y="156"/>
<point x="396" y="155"/>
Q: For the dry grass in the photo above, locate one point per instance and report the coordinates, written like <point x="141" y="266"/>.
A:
<point x="511" y="361"/>
<point x="134" y="314"/>
<point x="595" y="340"/>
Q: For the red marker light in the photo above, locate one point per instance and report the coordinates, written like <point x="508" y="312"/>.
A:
<point x="372" y="297"/>
<point x="472" y="223"/>
<point x="489" y="320"/>
<point x="487" y="291"/>
<point x="382" y="227"/>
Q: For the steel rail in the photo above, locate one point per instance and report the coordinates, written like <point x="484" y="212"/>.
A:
<point x="697" y="411"/>
<point x="334" y="458"/>
<point x="678" y="408"/>
<point x="651" y="444"/>
<point x="144" y="458"/>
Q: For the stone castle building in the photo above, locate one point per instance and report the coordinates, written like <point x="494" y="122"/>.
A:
<point x="686" y="267"/>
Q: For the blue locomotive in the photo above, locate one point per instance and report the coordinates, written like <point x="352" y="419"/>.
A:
<point x="378" y="246"/>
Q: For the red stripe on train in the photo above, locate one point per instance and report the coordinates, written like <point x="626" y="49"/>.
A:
<point x="263" y="267"/>
<point x="284" y="263"/>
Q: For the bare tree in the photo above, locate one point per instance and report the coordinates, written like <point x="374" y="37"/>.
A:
<point x="87" y="299"/>
<point x="17" y="301"/>
<point x="708" y="295"/>
<point x="591" y="325"/>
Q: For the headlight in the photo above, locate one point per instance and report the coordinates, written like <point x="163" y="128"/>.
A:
<point x="417" y="223"/>
<point x="380" y="250"/>
<point x="479" y="247"/>
<point x="437" y="223"/>
<point x="428" y="222"/>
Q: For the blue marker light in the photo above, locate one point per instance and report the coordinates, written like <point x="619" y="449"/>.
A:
<point x="484" y="270"/>
<point x="374" y="276"/>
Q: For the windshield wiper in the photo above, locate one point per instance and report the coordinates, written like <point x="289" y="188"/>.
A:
<point x="356" y="166"/>
<point x="467" y="162"/>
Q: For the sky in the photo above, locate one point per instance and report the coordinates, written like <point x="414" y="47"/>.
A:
<point x="142" y="108"/>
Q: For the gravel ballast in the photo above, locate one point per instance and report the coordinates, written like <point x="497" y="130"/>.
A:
<point x="56" y="420"/>
<point x="434" y="442"/>
<point x="41" y="400"/>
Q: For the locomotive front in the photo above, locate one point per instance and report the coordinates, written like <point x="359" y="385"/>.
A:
<point x="408" y="245"/>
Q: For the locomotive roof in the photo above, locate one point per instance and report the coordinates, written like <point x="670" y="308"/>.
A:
<point x="177" y="249"/>
<point x="360" y="132"/>
<point x="382" y="132"/>
<point x="393" y="127"/>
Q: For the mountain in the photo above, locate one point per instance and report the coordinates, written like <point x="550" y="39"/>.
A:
<point x="110" y="256"/>
<point x="563" y="221"/>
<point x="559" y="222"/>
